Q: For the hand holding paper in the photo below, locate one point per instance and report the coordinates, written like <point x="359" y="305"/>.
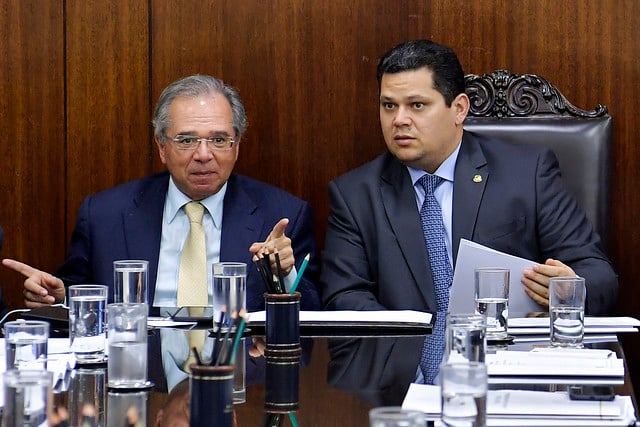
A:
<point x="473" y="255"/>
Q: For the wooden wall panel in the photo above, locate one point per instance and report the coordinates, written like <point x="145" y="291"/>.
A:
<point x="32" y="171"/>
<point x="108" y="112"/>
<point x="77" y="94"/>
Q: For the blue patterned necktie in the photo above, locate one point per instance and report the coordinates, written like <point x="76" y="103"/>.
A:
<point x="434" y="236"/>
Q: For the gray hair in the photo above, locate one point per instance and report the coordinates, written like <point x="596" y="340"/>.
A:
<point x="191" y="87"/>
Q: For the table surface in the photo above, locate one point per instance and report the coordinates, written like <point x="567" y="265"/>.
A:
<point x="345" y="402"/>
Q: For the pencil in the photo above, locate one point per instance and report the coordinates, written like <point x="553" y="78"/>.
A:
<point x="279" y="271"/>
<point x="238" y="337"/>
<point x="302" y="268"/>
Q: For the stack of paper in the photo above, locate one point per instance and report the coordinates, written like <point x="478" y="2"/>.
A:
<point x="355" y="323"/>
<point x="531" y="408"/>
<point x="592" y="325"/>
<point x="556" y="365"/>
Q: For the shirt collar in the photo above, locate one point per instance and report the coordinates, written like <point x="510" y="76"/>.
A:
<point x="176" y="199"/>
<point x="446" y="170"/>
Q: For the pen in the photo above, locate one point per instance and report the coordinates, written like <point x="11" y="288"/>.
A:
<point x="302" y="268"/>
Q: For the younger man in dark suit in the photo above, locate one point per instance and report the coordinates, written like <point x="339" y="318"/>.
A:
<point x="510" y="198"/>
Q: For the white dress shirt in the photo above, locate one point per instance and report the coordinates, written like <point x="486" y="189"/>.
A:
<point x="175" y="227"/>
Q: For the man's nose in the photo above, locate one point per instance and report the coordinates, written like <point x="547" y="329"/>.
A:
<point x="402" y="117"/>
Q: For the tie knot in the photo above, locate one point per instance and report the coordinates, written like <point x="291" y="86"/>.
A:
<point x="430" y="182"/>
<point x="195" y="211"/>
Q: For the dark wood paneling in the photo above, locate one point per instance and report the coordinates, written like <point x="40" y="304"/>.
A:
<point x="108" y="112"/>
<point x="306" y="71"/>
<point x="33" y="145"/>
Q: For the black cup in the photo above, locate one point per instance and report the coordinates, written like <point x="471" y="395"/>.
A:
<point x="211" y="389"/>
<point x="283" y="322"/>
<point x="282" y="380"/>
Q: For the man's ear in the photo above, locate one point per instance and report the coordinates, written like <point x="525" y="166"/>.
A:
<point x="161" y="148"/>
<point x="461" y="104"/>
<point x="159" y="416"/>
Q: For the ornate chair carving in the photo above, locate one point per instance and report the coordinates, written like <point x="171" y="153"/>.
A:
<point x="527" y="109"/>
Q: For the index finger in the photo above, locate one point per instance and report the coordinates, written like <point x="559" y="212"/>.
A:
<point x="22" y="268"/>
<point x="278" y="229"/>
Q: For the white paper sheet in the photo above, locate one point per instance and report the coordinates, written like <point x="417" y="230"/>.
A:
<point x="555" y="363"/>
<point x="378" y="316"/>
<point x="472" y="255"/>
<point x="530" y="408"/>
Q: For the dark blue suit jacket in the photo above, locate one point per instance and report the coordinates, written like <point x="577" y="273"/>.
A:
<point x="125" y="222"/>
<point x="375" y="257"/>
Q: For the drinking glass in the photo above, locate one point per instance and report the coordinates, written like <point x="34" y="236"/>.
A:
<point x="463" y="394"/>
<point x="465" y="338"/>
<point x="87" y="310"/>
<point x="127" y="408"/>
<point x="130" y="279"/>
<point x="27" y="397"/>
<point x="566" y="311"/>
<point x="492" y="300"/>
<point x="229" y="291"/>
<point x="87" y="396"/>
<point x="395" y="416"/>
<point x="127" y="345"/>
<point x="26" y="344"/>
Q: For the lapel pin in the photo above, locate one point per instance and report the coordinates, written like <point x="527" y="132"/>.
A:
<point x="477" y="178"/>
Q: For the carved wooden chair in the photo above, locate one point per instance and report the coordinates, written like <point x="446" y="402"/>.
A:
<point x="527" y="109"/>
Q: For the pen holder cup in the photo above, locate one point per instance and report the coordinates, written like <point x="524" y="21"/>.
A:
<point x="282" y="321"/>
<point x="282" y="380"/>
<point x="211" y="389"/>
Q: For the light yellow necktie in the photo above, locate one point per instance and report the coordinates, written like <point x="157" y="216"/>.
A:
<point x="195" y="339"/>
<point x="193" y="289"/>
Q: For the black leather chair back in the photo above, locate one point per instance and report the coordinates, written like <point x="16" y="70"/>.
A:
<point x="527" y="109"/>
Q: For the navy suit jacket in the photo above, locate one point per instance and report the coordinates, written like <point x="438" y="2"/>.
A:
<point x="125" y="222"/>
<point x="375" y="256"/>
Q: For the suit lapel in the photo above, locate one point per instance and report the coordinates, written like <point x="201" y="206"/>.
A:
<point x="398" y="198"/>
<point x="240" y="223"/>
<point x="143" y="225"/>
<point x="471" y="176"/>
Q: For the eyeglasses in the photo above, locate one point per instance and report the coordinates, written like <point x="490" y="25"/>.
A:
<point x="190" y="142"/>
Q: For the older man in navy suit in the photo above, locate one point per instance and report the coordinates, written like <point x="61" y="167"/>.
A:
<point x="198" y="122"/>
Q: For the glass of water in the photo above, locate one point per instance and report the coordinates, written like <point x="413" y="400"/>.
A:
<point x="230" y="291"/>
<point x="566" y="311"/>
<point x="87" y="310"/>
<point x="465" y="338"/>
<point x="27" y="397"/>
<point x="229" y="288"/>
<point x="26" y="344"/>
<point x="127" y="367"/>
<point x="492" y="300"/>
<point x="463" y="394"/>
<point x="395" y="416"/>
<point x="130" y="280"/>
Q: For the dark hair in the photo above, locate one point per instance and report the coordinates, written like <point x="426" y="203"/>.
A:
<point x="448" y="77"/>
<point x="194" y="86"/>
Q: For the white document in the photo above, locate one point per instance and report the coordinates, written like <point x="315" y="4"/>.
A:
<point x="530" y="408"/>
<point x="592" y="325"/>
<point x="473" y="255"/>
<point x="340" y="316"/>
<point x="166" y="322"/>
<point x="555" y="363"/>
